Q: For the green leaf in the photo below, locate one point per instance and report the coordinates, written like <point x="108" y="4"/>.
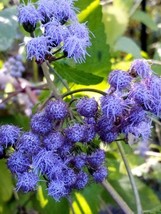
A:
<point x="115" y="20"/>
<point x="8" y="27"/>
<point x="145" y="19"/>
<point x="127" y="45"/>
<point x="6" y="186"/>
<point x="99" y="60"/>
<point x="88" y="200"/>
<point x="77" y="76"/>
<point x="47" y="205"/>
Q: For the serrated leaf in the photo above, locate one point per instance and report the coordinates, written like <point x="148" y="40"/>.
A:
<point x="145" y="19"/>
<point x="77" y="76"/>
<point x="99" y="60"/>
<point x="127" y="45"/>
<point x="8" y="27"/>
<point x="6" y="186"/>
<point x="115" y="20"/>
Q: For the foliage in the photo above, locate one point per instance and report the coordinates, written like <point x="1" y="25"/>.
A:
<point x="115" y="31"/>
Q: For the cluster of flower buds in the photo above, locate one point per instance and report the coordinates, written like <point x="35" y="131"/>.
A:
<point x="61" y="31"/>
<point x="63" y="144"/>
<point x="14" y="66"/>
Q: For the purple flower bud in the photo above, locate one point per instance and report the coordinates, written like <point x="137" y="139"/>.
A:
<point x="68" y="176"/>
<point x="79" y="161"/>
<point x="113" y="106"/>
<point x="38" y="48"/>
<point x="140" y="67"/>
<point x="77" y="42"/>
<point x="87" y="107"/>
<point x="75" y="133"/>
<point x="18" y="163"/>
<point x="27" y="182"/>
<point x="119" y="79"/>
<point x="96" y="159"/>
<point x="108" y="137"/>
<point x="100" y="174"/>
<point x="28" y="16"/>
<point x="53" y="140"/>
<point x="90" y="133"/>
<point x="82" y="180"/>
<point x="57" y="109"/>
<point x="56" y="32"/>
<point x="9" y="135"/>
<point x="29" y="143"/>
<point x="41" y="124"/>
<point x="57" y="189"/>
<point x="44" y="161"/>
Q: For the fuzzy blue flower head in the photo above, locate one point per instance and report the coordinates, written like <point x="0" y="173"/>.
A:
<point x="77" y="42"/>
<point x="38" y="48"/>
<point x="57" y="109"/>
<point x="87" y="107"/>
<point x="82" y="180"/>
<point x="64" y="10"/>
<point x="55" y="32"/>
<point x="9" y="135"/>
<point x="27" y="182"/>
<point x="53" y="141"/>
<point x="18" y="163"/>
<point x="29" y="143"/>
<point x="100" y="174"/>
<point x="141" y="68"/>
<point x="28" y="16"/>
<point x="75" y="133"/>
<point x="57" y="189"/>
<point x="96" y="159"/>
<point x="112" y="106"/>
<point x="119" y="79"/>
<point x="41" y="124"/>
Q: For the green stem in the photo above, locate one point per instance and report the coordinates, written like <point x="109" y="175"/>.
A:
<point x="131" y="178"/>
<point x="50" y="83"/>
<point x="59" y="77"/>
<point x="84" y="89"/>
<point x="123" y="205"/>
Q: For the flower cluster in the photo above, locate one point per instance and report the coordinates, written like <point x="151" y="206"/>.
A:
<point x="14" y="66"/>
<point x="61" y="30"/>
<point x="62" y="144"/>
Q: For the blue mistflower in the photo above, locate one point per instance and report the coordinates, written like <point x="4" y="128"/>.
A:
<point x="55" y="31"/>
<point x="27" y="182"/>
<point x="141" y="68"/>
<point x="75" y="133"/>
<point x="29" y="143"/>
<point x="53" y="140"/>
<point x="154" y="86"/>
<point x="82" y="180"/>
<point x="136" y="115"/>
<point x="38" y="48"/>
<point x="44" y="161"/>
<point x="9" y="135"/>
<point x="28" y="16"/>
<point x="96" y="159"/>
<point x="46" y="9"/>
<point x="57" y="109"/>
<point x="79" y="161"/>
<point x="87" y="107"/>
<point x="119" y="79"/>
<point x="68" y="176"/>
<point x="57" y="189"/>
<point x="18" y="163"/>
<point x="100" y="174"/>
<point x="108" y="137"/>
<point x="65" y="10"/>
<point x="142" y="96"/>
<point x="41" y="124"/>
<point x="90" y="133"/>
<point x="77" y="42"/>
<point x="113" y="106"/>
